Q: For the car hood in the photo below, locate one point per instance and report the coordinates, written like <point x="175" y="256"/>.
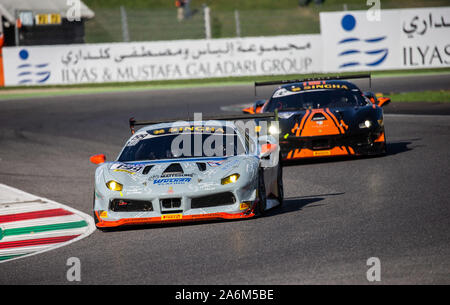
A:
<point x="175" y="175"/>
<point x="350" y="117"/>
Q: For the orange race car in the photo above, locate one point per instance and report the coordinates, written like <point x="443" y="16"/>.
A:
<point x="322" y="117"/>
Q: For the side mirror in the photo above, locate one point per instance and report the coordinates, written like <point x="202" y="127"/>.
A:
<point x="249" y="110"/>
<point x="258" y="105"/>
<point x="371" y="96"/>
<point x="268" y="144"/>
<point x="267" y="149"/>
<point x="383" y="101"/>
<point x="98" y="159"/>
<point x="255" y="108"/>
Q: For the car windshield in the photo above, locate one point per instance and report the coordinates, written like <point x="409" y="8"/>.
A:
<point x="182" y="145"/>
<point x="316" y="99"/>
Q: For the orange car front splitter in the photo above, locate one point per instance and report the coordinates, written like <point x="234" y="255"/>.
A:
<point x="170" y="218"/>
<point x="309" y="153"/>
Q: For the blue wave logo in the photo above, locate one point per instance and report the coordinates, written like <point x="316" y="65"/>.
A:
<point x="28" y="73"/>
<point x="377" y="55"/>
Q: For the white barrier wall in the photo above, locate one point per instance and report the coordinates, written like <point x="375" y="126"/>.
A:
<point x="349" y="41"/>
<point x="400" y="39"/>
<point x="165" y="60"/>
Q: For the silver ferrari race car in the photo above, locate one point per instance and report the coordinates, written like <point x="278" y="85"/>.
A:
<point x="174" y="171"/>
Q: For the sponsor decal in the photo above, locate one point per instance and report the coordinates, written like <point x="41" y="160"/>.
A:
<point x="244" y="206"/>
<point x="172" y="217"/>
<point x="322" y="153"/>
<point x="325" y="86"/>
<point x="349" y="46"/>
<point x="124" y="170"/>
<point x="424" y="38"/>
<point x="158" y="131"/>
<point x="307" y="86"/>
<point x="215" y="163"/>
<point x="230" y="164"/>
<point x="202" y="129"/>
<point x="138" y="137"/>
<point x="29" y="72"/>
<point x="168" y="181"/>
<point x="171" y="179"/>
<point x="129" y="168"/>
<point x="145" y="61"/>
<point x="400" y="38"/>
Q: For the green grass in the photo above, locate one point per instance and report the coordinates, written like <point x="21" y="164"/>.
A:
<point x="259" y="4"/>
<point x="150" y="20"/>
<point x="442" y="96"/>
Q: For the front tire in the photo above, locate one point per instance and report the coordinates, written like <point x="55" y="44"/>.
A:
<point x="93" y="209"/>
<point x="96" y="220"/>
<point x="280" y="188"/>
<point x="261" y="195"/>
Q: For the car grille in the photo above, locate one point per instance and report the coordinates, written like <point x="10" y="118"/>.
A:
<point x="213" y="200"/>
<point x="170" y="203"/>
<point x="320" y="144"/>
<point x="328" y="142"/>
<point x="127" y="205"/>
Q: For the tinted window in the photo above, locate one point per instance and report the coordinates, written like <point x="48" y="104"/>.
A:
<point x="183" y="145"/>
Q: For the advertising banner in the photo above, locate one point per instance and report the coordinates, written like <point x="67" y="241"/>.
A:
<point x="425" y="38"/>
<point x="164" y="60"/>
<point x="398" y="39"/>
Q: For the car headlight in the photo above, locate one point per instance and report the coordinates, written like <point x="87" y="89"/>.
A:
<point x="274" y="130"/>
<point x="114" y="185"/>
<point x="230" y="179"/>
<point x="365" y="124"/>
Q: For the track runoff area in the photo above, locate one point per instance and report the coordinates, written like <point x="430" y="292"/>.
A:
<point x="338" y="218"/>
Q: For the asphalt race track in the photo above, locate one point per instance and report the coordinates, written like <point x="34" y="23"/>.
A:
<point x="337" y="215"/>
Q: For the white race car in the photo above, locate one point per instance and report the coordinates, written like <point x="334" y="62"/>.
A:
<point x="161" y="176"/>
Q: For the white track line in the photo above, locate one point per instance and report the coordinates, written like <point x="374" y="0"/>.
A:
<point x="46" y="234"/>
<point x="23" y="207"/>
<point x="33" y="249"/>
<point x="40" y="222"/>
